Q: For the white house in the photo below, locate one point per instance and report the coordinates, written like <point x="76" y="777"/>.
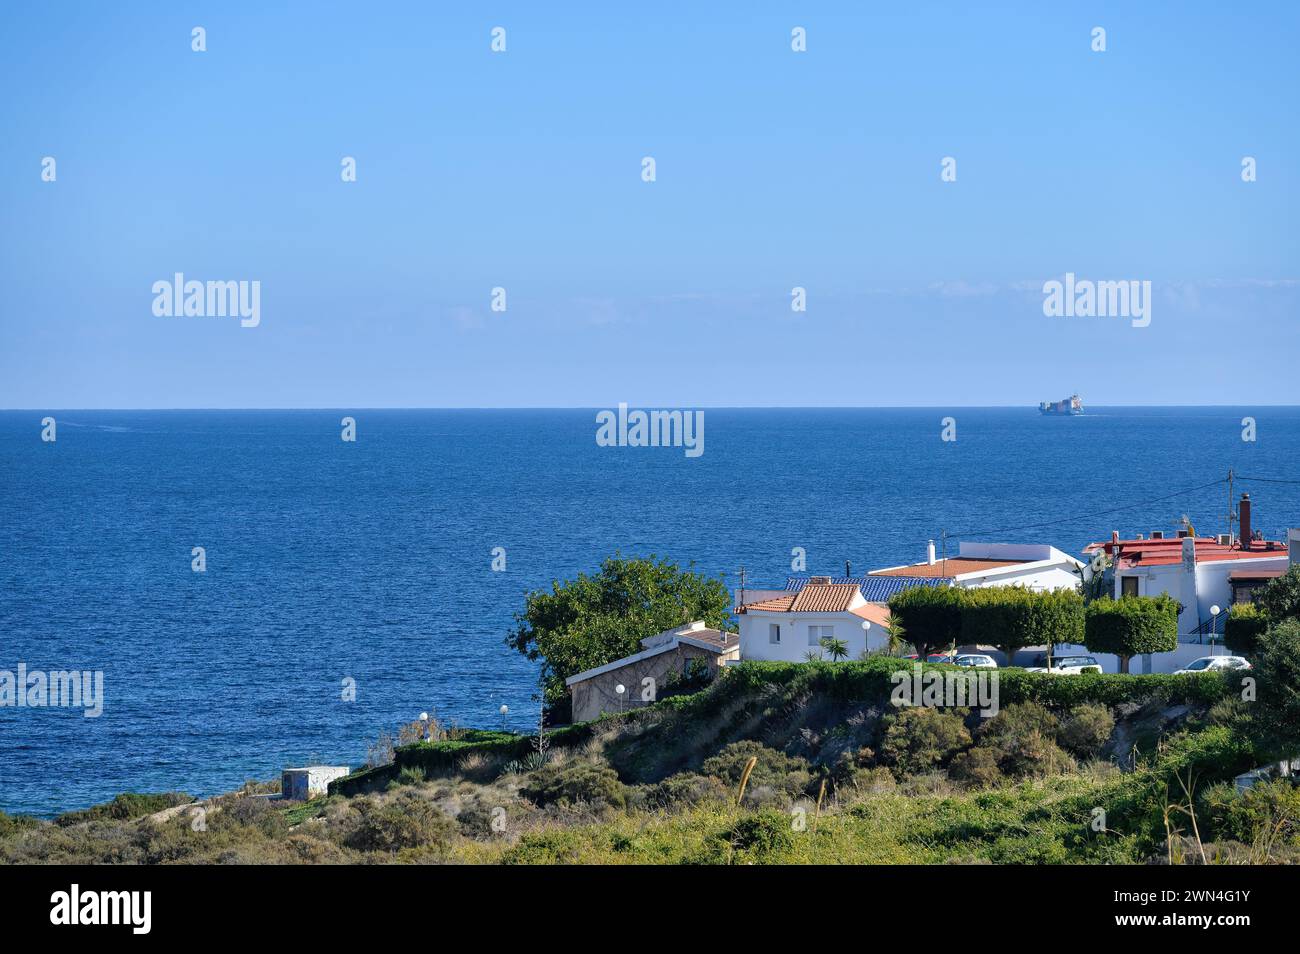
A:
<point x="1035" y="566"/>
<point x="779" y="625"/>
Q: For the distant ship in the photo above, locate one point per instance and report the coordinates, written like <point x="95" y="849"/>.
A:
<point x="1071" y="405"/>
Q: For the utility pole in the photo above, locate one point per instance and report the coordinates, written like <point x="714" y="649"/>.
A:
<point x="741" y="602"/>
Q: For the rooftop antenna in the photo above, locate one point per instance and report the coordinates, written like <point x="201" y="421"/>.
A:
<point x="742" y="587"/>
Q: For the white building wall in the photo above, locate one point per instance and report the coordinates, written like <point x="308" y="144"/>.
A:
<point x="1055" y="577"/>
<point x="755" y="643"/>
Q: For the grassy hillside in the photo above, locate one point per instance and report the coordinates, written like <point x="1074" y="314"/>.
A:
<point x="775" y="763"/>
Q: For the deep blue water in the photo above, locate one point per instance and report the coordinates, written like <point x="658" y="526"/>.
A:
<point x="329" y="560"/>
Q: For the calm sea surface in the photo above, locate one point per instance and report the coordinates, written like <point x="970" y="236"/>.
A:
<point x="371" y="560"/>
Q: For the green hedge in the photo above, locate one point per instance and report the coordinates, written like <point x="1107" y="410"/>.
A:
<point x="930" y="616"/>
<point x="1012" y="617"/>
<point x="1132" y="626"/>
<point x="1244" y="626"/>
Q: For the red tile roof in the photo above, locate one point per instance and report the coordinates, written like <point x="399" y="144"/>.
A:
<point x="877" y="613"/>
<point x="946" y="569"/>
<point x="1169" y="551"/>
<point x="813" y="598"/>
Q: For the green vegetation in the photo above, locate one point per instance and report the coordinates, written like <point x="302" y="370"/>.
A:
<point x="929" y="615"/>
<point x="786" y="763"/>
<point x="1244" y="626"/>
<point x="1011" y="617"/>
<point x="594" y="620"/>
<point x="1132" y="626"/>
<point x="1279" y="599"/>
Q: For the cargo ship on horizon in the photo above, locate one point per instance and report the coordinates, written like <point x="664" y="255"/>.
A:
<point x="1070" y="406"/>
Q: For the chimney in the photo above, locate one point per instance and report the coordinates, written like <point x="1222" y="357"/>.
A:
<point x="1114" y="538"/>
<point x="1243" y="518"/>
<point x="848" y="568"/>
<point x="929" y="553"/>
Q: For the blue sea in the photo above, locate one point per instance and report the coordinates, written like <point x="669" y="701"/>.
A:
<point x="372" y="561"/>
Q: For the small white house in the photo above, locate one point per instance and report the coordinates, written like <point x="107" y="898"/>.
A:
<point x="786" y="626"/>
<point x="1035" y="566"/>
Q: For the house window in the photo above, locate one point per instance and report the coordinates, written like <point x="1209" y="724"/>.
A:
<point x="817" y="633"/>
<point x="1128" y="586"/>
<point x="774" y="633"/>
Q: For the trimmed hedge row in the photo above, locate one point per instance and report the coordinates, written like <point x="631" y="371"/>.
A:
<point x="1132" y="626"/>
<point x="1245" y="624"/>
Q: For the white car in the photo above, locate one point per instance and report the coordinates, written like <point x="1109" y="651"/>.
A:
<point x="1215" y="664"/>
<point x="975" y="661"/>
<point x="1067" y="665"/>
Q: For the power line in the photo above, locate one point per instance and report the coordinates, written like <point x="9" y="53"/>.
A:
<point x="1270" y="480"/>
<point x="1098" y="513"/>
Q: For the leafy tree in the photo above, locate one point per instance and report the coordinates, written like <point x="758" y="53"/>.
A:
<point x="1132" y="626"/>
<point x="1280" y="598"/>
<point x="1277" y="669"/>
<point x="837" y="648"/>
<point x="596" y="619"/>
<point x="931" y="615"/>
<point x="1244" y="626"/>
<point x="1012" y="617"/>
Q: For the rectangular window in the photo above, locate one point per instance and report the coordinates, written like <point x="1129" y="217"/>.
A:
<point x="773" y="633"/>
<point x="817" y="633"/>
<point x="1128" y="586"/>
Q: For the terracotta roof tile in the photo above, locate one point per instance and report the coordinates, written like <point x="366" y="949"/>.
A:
<point x="946" y="569"/>
<point x="813" y="598"/>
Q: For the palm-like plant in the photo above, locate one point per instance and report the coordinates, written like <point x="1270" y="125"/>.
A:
<point x="895" y="634"/>
<point x="837" y="648"/>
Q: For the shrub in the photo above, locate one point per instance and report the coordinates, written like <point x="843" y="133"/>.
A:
<point x="762" y="833"/>
<point x="977" y="767"/>
<point x="574" y="782"/>
<point x="919" y="739"/>
<point x="11" y="824"/>
<point x="929" y="615"/>
<point x="125" y="806"/>
<point x="1132" y="626"/>
<point x="1022" y="738"/>
<point x="1244" y="626"/>
<point x="684" y="789"/>
<point x="1085" y="729"/>
<point x="786" y="772"/>
<point x="1277" y="669"/>
<point x="1012" y="617"/>
<point x="1267" y="812"/>
<point x="405" y="822"/>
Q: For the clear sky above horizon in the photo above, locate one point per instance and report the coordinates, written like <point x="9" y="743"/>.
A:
<point x="522" y="170"/>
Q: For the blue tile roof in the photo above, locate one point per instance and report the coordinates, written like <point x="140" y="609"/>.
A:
<point x="875" y="589"/>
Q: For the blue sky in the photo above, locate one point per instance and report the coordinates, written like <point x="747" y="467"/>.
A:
<point x="522" y="170"/>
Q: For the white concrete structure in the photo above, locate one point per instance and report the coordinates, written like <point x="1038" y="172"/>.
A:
<point x="311" y="781"/>
<point x="1199" y="572"/>
<point x="1035" y="566"/>
<point x="787" y="626"/>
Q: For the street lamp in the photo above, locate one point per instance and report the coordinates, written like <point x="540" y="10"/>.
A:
<point x="424" y="725"/>
<point x="1214" y="625"/>
<point x="504" y="710"/>
<point x="620" y="689"/>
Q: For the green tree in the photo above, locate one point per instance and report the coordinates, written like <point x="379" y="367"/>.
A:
<point x="1280" y="598"/>
<point x="838" y="648"/>
<point x="1277" y="669"/>
<point x="595" y="619"/>
<point x="931" y="615"/>
<point x="1132" y="626"/>
<point x="1012" y="617"/>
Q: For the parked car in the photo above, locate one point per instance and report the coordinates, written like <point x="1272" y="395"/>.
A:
<point x="1215" y="664"/>
<point x="976" y="661"/>
<point x="1066" y="665"/>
